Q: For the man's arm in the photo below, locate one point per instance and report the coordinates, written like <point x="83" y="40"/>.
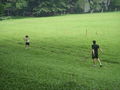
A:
<point x="101" y="50"/>
<point x="93" y="51"/>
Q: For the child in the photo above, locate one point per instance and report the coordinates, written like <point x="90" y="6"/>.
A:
<point x="27" y="41"/>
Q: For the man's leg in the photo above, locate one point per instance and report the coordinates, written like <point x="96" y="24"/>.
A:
<point x="99" y="62"/>
<point x="94" y="62"/>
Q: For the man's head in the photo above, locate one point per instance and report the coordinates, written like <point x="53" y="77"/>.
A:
<point x="94" y="42"/>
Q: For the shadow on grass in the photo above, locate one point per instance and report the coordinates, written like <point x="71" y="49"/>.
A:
<point x="23" y="17"/>
<point x="13" y="17"/>
<point x="112" y="62"/>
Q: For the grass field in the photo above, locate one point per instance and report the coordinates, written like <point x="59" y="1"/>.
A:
<point x="60" y="54"/>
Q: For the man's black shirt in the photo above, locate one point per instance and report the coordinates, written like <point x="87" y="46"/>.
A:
<point x="95" y="47"/>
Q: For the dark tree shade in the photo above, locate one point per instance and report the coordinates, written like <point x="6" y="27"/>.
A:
<point x="55" y="7"/>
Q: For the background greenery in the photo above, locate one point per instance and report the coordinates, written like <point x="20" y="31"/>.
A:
<point x="55" y="7"/>
<point x="60" y="54"/>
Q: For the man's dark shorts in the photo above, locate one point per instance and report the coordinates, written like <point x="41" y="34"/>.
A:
<point x="95" y="56"/>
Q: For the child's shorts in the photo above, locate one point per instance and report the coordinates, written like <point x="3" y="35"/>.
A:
<point x="27" y="43"/>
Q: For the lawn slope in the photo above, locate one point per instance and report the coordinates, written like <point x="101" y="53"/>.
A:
<point x="60" y="54"/>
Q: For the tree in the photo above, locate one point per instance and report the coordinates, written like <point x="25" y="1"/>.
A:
<point x="21" y="6"/>
<point x="1" y="9"/>
<point x="55" y="7"/>
<point x="115" y="5"/>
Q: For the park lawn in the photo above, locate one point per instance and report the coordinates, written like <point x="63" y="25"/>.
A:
<point x="59" y="57"/>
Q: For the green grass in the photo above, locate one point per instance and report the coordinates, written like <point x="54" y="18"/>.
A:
<point x="60" y="54"/>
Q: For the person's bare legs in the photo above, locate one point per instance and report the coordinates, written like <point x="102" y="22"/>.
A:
<point x="94" y="62"/>
<point x="26" y="46"/>
<point x="99" y="62"/>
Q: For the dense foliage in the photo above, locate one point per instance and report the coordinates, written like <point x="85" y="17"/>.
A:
<point x="55" y="7"/>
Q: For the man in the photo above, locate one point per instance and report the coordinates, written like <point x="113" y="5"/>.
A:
<point x="95" y="57"/>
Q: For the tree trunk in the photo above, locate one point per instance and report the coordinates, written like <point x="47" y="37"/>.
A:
<point x="86" y="6"/>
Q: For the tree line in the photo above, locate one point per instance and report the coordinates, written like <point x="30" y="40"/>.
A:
<point x="55" y="7"/>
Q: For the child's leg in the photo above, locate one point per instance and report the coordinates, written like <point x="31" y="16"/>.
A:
<point x="26" y="46"/>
